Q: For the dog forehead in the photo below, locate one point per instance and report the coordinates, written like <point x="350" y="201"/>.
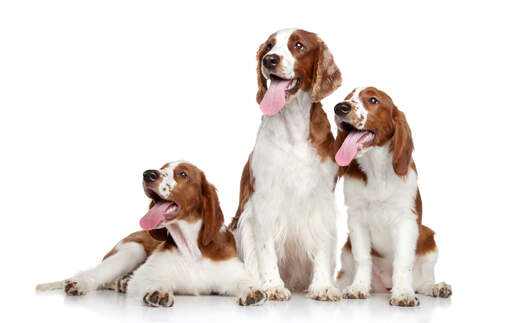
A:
<point x="354" y="96"/>
<point x="168" y="168"/>
<point x="281" y="38"/>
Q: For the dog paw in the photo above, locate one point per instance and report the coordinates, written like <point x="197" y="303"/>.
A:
<point x="442" y="290"/>
<point x="404" y="298"/>
<point x="324" y="293"/>
<point x="252" y="296"/>
<point x="121" y="284"/>
<point x="278" y="293"/>
<point x="355" y="292"/>
<point x="158" y="299"/>
<point x="74" y="288"/>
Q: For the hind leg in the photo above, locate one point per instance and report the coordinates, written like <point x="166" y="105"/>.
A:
<point x="424" y="279"/>
<point x="127" y="257"/>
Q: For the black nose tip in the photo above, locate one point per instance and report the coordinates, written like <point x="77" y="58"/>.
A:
<point x="150" y="176"/>
<point x="271" y="61"/>
<point x="342" y="109"/>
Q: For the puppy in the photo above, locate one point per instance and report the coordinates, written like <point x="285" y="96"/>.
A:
<point x="185" y="249"/>
<point x="388" y="247"/>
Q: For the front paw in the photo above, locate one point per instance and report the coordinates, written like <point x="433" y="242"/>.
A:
<point x="252" y="296"/>
<point x="442" y="290"/>
<point x="278" y="293"/>
<point x="324" y="293"/>
<point x="158" y="299"/>
<point x="74" y="288"/>
<point x="405" y="298"/>
<point x="356" y="292"/>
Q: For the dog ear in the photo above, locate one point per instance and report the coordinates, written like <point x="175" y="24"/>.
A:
<point x="326" y="76"/>
<point x="212" y="213"/>
<point x="402" y="144"/>
<point x="262" y="81"/>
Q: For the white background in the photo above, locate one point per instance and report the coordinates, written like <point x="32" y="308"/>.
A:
<point x="92" y="93"/>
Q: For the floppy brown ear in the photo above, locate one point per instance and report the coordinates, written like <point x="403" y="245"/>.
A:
<point x="327" y="76"/>
<point x="402" y="144"/>
<point x="262" y="82"/>
<point x="212" y="213"/>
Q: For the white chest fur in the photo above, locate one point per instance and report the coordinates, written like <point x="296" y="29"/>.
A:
<point x="383" y="200"/>
<point x="283" y="158"/>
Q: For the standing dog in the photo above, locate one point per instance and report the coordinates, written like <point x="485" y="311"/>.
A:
<point x="388" y="247"/>
<point x="184" y="249"/>
<point x="285" y="224"/>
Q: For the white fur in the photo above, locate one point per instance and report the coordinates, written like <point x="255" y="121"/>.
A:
<point x="185" y="235"/>
<point x="380" y="216"/>
<point x="358" y="108"/>
<point x="288" y="226"/>
<point x="281" y="49"/>
<point x="167" y="174"/>
<point x="174" y="271"/>
<point x="128" y="256"/>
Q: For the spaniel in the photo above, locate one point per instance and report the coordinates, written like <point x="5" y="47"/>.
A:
<point x="285" y="224"/>
<point x="388" y="246"/>
<point x="184" y="248"/>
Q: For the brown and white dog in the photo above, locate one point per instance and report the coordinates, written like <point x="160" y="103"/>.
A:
<point x="388" y="247"/>
<point x="285" y="224"/>
<point x="185" y="249"/>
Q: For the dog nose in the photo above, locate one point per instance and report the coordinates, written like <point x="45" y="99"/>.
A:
<point x="271" y="61"/>
<point x="342" y="109"/>
<point x="150" y="176"/>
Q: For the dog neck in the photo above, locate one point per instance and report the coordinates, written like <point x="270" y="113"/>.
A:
<point x="377" y="163"/>
<point x="185" y="235"/>
<point x="292" y="122"/>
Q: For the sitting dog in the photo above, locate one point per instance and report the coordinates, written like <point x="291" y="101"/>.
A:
<point x="388" y="247"/>
<point x="185" y="249"/>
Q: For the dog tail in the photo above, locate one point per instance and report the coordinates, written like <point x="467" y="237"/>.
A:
<point x="50" y="286"/>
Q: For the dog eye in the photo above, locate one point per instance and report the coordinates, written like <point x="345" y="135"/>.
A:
<point x="183" y="175"/>
<point x="269" y="46"/>
<point x="373" y="100"/>
<point x="299" y="46"/>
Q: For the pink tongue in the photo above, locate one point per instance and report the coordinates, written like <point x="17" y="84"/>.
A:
<point x="275" y="98"/>
<point x="154" y="216"/>
<point x="349" y="147"/>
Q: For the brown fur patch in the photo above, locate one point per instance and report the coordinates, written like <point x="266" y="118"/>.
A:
<point x="314" y="65"/>
<point x="320" y="135"/>
<point x="246" y="190"/>
<point x="142" y="237"/>
<point x="426" y="242"/>
<point x="222" y="247"/>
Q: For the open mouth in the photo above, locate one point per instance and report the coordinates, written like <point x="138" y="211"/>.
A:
<point x="356" y="140"/>
<point x="161" y="212"/>
<point x="278" y="91"/>
<point x="292" y="86"/>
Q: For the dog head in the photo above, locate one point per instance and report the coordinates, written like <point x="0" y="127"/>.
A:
<point x="180" y="191"/>
<point x="294" y="60"/>
<point x="368" y="118"/>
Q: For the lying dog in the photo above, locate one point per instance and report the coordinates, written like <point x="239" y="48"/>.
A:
<point x="388" y="247"/>
<point x="185" y="249"/>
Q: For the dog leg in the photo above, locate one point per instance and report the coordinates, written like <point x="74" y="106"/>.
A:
<point x="361" y="251"/>
<point x="424" y="279"/>
<point x="126" y="258"/>
<point x="346" y="274"/>
<point x="405" y="236"/>
<point x="269" y="270"/>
